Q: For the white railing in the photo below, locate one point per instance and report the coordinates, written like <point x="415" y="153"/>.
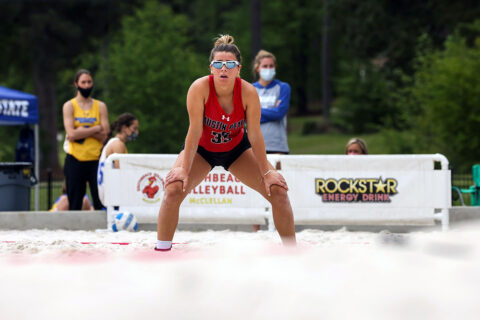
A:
<point x="339" y="190"/>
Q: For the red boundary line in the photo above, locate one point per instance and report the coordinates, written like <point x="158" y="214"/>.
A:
<point x="93" y="242"/>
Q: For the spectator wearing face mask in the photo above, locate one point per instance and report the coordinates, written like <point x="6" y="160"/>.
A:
<point x="86" y="125"/>
<point x="126" y="129"/>
<point x="275" y="100"/>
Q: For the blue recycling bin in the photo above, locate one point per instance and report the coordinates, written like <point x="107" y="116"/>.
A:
<point x="16" y="179"/>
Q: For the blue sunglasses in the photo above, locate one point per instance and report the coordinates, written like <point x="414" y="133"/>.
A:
<point x="229" y="64"/>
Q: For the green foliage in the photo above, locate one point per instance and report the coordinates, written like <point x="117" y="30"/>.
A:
<point x="210" y="18"/>
<point x="146" y="66"/>
<point x="43" y="38"/>
<point x="149" y="69"/>
<point x="333" y="143"/>
<point x="329" y="142"/>
<point x="9" y="137"/>
<point x="396" y="141"/>
<point x="365" y="98"/>
<point x="292" y="32"/>
<point x="446" y="101"/>
<point x="9" y="134"/>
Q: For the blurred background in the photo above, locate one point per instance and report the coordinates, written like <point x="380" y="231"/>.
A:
<point x="403" y="75"/>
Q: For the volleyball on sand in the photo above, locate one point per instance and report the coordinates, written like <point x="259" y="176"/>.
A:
<point x="124" y="221"/>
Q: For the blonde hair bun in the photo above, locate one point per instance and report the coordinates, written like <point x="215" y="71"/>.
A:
<point x="224" y="43"/>
<point x="223" y="39"/>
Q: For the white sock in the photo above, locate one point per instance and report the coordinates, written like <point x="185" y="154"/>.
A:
<point x="163" y="244"/>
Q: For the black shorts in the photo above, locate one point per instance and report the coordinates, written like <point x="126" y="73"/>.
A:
<point x="225" y="159"/>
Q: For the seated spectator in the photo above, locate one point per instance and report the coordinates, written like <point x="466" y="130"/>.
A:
<point x="126" y="129"/>
<point x="61" y="203"/>
<point x="356" y="146"/>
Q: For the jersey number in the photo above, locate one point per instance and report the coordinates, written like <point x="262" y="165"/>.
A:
<point x="221" y="137"/>
<point x="100" y="173"/>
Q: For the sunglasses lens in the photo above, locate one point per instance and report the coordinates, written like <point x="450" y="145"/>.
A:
<point x="228" y="64"/>
<point x="217" y="64"/>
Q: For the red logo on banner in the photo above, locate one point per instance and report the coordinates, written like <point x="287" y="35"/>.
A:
<point x="151" y="187"/>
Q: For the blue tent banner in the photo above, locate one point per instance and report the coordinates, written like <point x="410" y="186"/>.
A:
<point x="17" y="107"/>
<point x="20" y="108"/>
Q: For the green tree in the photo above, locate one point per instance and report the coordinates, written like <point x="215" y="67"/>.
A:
<point x="290" y="30"/>
<point x="293" y="32"/>
<point x="39" y="40"/>
<point x="148" y="70"/>
<point x="365" y="98"/>
<point x="386" y="33"/>
<point x="445" y="100"/>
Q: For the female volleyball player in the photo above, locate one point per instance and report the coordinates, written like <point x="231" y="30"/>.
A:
<point x="218" y="105"/>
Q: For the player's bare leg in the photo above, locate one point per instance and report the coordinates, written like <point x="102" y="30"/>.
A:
<point x="281" y="208"/>
<point x="174" y="195"/>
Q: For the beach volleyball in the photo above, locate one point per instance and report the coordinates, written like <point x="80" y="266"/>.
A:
<point x="124" y="221"/>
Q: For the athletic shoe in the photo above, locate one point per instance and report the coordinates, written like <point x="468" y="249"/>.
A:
<point x="157" y="249"/>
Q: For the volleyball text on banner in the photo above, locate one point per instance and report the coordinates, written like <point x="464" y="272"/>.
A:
<point x="138" y="185"/>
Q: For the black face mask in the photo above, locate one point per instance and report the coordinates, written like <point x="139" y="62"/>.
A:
<point x="85" y="92"/>
<point x="132" y="137"/>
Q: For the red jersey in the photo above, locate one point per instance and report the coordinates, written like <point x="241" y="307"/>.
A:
<point x="222" y="131"/>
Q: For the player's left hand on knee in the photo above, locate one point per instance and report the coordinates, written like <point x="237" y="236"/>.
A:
<point x="274" y="178"/>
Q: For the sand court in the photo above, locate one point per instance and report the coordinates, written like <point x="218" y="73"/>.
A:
<point x="240" y="275"/>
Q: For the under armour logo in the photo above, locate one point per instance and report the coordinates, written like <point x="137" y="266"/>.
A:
<point x="223" y="117"/>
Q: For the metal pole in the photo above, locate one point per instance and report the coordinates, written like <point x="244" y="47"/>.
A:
<point x="37" y="167"/>
<point x="255" y="26"/>
<point x="49" y="188"/>
<point x="326" y="90"/>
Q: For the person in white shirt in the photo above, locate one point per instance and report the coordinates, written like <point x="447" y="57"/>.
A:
<point x="126" y="128"/>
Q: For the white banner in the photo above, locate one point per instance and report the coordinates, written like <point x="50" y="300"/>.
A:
<point x="386" y="189"/>
<point x="376" y="189"/>
<point x="221" y="197"/>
